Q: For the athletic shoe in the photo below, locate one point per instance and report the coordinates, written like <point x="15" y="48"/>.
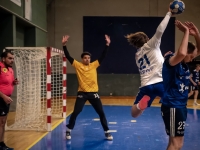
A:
<point x="68" y="135"/>
<point x="4" y="147"/>
<point x="143" y="103"/>
<point x="108" y="136"/>
<point x="195" y="103"/>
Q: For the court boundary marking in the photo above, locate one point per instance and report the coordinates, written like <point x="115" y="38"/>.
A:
<point x="53" y="127"/>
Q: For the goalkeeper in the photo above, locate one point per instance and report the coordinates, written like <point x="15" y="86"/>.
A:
<point x="88" y="86"/>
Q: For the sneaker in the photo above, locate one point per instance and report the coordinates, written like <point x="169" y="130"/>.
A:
<point x="143" y="103"/>
<point x="4" y="147"/>
<point x="195" y="103"/>
<point x="68" y="135"/>
<point x="108" y="136"/>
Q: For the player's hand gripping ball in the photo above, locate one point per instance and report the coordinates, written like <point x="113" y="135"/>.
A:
<point x="177" y="7"/>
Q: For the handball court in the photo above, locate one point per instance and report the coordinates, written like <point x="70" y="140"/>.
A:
<point x="146" y="132"/>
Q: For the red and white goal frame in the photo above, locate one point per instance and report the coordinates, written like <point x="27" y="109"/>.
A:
<point x="64" y="83"/>
<point x="38" y="61"/>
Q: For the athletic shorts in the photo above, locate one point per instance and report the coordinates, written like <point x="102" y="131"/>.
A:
<point x="194" y="88"/>
<point x="4" y="108"/>
<point x="152" y="91"/>
<point x="174" y="120"/>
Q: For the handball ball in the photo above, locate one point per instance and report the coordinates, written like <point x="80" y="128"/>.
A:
<point x="177" y="7"/>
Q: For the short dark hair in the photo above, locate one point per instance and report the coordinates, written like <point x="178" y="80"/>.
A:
<point x="85" y="53"/>
<point x="197" y="65"/>
<point x="5" y="53"/>
<point x="191" y="47"/>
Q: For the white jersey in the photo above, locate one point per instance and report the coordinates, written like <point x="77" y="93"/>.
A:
<point x="149" y="58"/>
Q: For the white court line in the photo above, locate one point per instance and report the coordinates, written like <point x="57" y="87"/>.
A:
<point x="112" y="122"/>
<point x="112" y="130"/>
<point x="133" y="121"/>
<point x="96" y="119"/>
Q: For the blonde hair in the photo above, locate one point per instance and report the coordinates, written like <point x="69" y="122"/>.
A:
<point x="137" y="39"/>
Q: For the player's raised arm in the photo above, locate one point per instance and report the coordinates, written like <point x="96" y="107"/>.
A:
<point x="107" y="38"/>
<point x="182" y="51"/>
<point x="193" y="30"/>
<point x="155" y="40"/>
<point x="162" y="26"/>
<point x="64" y="43"/>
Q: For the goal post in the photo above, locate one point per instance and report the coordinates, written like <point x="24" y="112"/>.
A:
<point x="42" y="89"/>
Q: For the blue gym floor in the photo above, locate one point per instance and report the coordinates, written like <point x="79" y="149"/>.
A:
<point x="144" y="133"/>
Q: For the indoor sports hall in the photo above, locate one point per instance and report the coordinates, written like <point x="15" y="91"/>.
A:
<point x="37" y="31"/>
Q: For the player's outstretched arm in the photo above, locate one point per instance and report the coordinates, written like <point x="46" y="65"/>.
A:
<point x="64" y="43"/>
<point x="108" y="41"/>
<point x="182" y="51"/>
<point x="162" y="26"/>
<point x="193" y="30"/>
<point x="155" y="40"/>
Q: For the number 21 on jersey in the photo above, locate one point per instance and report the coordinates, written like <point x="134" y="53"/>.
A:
<point x="141" y="62"/>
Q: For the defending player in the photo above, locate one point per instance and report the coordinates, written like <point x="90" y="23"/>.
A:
<point x="176" y="76"/>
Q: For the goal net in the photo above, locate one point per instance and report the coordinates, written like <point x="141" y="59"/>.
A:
<point x="41" y="93"/>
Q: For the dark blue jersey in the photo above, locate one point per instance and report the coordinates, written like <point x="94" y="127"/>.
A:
<point x="176" y="84"/>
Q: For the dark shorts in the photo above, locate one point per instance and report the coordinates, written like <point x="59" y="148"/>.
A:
<point x="88" y="95"/>
<point x="194" y="88"/>
<point x="4" y="108"/>
<point x="152" y="91"/>
<point x="174" y="120"/>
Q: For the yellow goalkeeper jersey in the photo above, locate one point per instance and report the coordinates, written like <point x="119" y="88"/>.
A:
<point x="87" y="76"/>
